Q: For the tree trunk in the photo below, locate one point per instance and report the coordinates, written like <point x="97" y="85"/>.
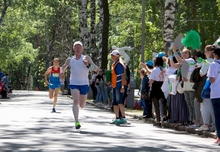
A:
<point x="169" y="20"/>
<point x="93" y="48"/>
<point x="5" y="7"/>
<point x="83" y="27"/>
<point x="103" y="33"/>
<point x="100" y="38"/>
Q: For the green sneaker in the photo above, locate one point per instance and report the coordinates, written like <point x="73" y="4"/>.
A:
<point x="122" y="121"/>
<point x="77" y="125"/>
<point x="115" y="121"/>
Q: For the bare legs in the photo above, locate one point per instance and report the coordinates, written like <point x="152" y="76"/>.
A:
<point x="78" y="100"/>
<point x="53" y="93"/>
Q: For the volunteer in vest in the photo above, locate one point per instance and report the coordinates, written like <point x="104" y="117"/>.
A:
<point x="214" y="77"/>
<point x="118" y="83"/>
<point x="54" y="81"/>
<point x="79" y="81"/>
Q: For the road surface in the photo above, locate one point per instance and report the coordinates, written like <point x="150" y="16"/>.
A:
<point x="27" y="125"/>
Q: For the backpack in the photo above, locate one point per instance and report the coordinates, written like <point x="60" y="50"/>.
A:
<point x="137" y="105"/>
<point x="195" y="75"/>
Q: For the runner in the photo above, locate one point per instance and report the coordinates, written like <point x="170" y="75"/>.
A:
<point x="54" y="81"/>
<point x="79" y="82"/>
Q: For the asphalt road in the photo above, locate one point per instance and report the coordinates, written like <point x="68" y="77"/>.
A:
<point x="27" y="125"/>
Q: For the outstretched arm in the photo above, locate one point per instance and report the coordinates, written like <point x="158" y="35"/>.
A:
<point x="92" y="63"/>
<point x="126" y="48"/>
<point x="178" y="58"/>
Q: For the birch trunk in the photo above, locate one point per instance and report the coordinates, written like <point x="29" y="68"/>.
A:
<point x="83" y="27"/>
<point x="100" y="38"/>
<point x="93" y="48"/>
<point x="169" y="20"/>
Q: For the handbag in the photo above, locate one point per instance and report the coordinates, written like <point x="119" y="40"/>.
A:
<point x="206" y="90"/>
<point x="179" y="87"/>
<point x="188" y="86"/>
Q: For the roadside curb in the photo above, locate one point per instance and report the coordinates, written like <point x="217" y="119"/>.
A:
<point x="188" y="130"/>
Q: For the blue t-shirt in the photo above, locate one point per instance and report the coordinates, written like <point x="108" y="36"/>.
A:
<point x="119" y="70"/>
<point x="1" y="75"/>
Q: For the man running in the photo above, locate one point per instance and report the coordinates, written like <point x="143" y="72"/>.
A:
<point x="54" y="81"/>
<point x="79" y="82"/>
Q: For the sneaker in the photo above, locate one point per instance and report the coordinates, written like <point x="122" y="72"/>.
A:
<point x="122" y="121"/>
<point x="157" y="125"/>
<point x="53" y="110"/>
<point x="77" y="125"/>
<point x="212" y="128"/>
<point x="217" y="142"/>
<point x="193" y="126"/>
<point x="115" y="121"/>
<point x="202" y="128"/>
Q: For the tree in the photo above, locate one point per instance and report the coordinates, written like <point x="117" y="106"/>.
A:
<point x="93" y="47"/>
<point x="83" y="27"/>
<point x="169" y="21"/>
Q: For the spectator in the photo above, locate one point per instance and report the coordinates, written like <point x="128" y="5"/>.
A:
<point x="5" y="85"/>
<point x="187" y="67"/>
<point x="155" y="82"/>
<point x="99" y="78"/>
<point x="206" y="105"/>
<point x="1" y="74"/>
<point x="62" y="85"/>
<point x="214" y="78"/>
<point x="92" y="84"/>
<point x="144" y="92"/>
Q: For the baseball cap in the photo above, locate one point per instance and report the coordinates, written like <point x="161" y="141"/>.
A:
<point x="115" y="52"/>
<point x="78" y="42"/>
<point x="149" y="63"/>
<point x="160" y="54"/>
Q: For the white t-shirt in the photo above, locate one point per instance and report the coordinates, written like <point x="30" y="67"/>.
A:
<point x="214" y="72"/>
<point x="78" y="72"/>
<point x="191" y="63"/>
<point x="157" y="74"/>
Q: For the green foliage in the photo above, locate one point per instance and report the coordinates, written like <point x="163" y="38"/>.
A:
<point x="34" y="31"/>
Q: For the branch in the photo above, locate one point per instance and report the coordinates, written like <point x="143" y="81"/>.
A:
<point x="5" y="7"/>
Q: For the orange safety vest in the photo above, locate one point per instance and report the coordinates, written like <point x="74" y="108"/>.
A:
<point x="114" y="76"/>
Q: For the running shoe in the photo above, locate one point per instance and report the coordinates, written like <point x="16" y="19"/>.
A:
<point x="77" y="125"/>
<point x="122" y="121"/>
<point x="115" y="121"/>
<point x="53" y="110"/>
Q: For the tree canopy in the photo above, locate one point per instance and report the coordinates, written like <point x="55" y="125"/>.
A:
<point x="33" y="32"/>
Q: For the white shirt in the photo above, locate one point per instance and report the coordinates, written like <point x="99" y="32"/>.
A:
<point x="78" y="72"/>
<point x="205" y="66"/>
<point x="214" y="72"/>
<point x="191" y="62"/>
<point x="157" y="74"/>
